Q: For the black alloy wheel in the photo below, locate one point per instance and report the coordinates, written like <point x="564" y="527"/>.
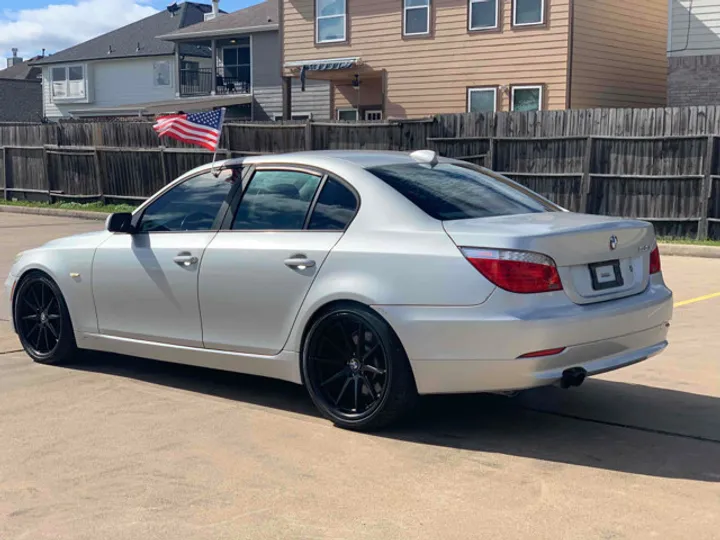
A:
<point x="42" y="320"/>
<point x="356" y="370"/>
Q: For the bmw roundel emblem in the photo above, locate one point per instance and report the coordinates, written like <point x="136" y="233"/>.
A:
<point x="613" y="242"/>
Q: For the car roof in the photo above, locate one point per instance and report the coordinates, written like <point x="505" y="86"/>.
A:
<point x="328" y="159"/>
<point x="360" y="158"/>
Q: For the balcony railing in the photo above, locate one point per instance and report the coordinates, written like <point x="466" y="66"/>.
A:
<point x="200" y="82"/>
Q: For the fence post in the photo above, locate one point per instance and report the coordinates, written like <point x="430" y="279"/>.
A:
<point x="99" y="179"/>
<point x="163" y="164"/>
<point x="491" y="155"/>
<point x="5" y="175"/>
<point x="585" y="180"/>
<point x="309" y="132"/>
<point x="46" y="165"/>
<point x="706" y="189"/>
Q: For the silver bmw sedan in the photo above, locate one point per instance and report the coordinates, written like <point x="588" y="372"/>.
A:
<point x="368" y="277"/>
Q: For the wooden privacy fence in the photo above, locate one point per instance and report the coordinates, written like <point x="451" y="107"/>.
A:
<point x="93" y="173"/>
<point x="673" y="182"/>
<point x="655" y="164"/>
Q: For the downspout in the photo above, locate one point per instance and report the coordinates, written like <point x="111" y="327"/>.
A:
<point x="571" y="33"/>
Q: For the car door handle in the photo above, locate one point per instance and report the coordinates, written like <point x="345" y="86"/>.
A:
<point x="299" y="262"/>
<point x="185" y="259"/>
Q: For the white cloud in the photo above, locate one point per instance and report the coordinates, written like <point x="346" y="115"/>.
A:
<point x="57" y="27"/>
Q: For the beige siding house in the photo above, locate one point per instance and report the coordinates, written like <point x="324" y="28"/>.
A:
<point x="412" y="58"/>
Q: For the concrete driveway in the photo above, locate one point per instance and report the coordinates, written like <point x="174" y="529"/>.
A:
<point x="123" y="448"/>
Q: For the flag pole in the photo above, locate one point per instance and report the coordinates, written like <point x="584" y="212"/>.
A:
<point x="222" y="122"/>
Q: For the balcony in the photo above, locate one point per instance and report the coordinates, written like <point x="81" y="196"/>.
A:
<point x="200" y="82"/>
<point x="214" y="67"/>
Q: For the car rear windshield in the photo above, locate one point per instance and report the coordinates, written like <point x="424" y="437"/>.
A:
<point x="448" y="192"/>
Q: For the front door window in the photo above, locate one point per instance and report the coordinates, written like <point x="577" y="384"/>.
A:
<point x="190" y="206"/>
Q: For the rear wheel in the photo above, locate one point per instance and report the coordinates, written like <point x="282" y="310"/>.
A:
<point x="42" y="320"/>
<point x="356" y="370"/>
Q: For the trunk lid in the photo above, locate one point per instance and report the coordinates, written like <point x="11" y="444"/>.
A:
<point x="591" y="270"/>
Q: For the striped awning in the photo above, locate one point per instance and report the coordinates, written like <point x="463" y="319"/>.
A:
<point x="186" y="105"/>
<point x="329" y="64"/>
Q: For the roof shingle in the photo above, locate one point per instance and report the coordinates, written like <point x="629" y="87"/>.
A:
<point x="22" y="71"/>
<point x="135" y="40"/>
<point x="20" y="100"/>
<point x="264" y="14"/>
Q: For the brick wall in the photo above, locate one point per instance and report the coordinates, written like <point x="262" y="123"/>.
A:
<point x="694" y="80"/>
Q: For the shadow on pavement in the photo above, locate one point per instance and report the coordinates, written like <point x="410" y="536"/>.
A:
<point x="607" y="425"/>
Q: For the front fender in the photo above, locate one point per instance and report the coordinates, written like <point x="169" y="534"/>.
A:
<point x="71" y="269"/>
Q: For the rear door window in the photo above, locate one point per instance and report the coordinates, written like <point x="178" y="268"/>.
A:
<point x="335" y="207"/>
<point x="449" y="192"/>
<point x="276" y="200"/>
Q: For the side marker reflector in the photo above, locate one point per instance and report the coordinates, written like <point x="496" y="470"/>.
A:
<point x="545" y="352"/>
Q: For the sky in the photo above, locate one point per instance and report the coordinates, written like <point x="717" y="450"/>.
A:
<point x="31" y="25"/>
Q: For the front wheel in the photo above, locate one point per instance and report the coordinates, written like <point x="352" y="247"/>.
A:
<point x="356" y="370"/>
<point x="42" y="320"/>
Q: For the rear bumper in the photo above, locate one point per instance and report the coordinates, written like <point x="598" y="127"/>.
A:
<point x="477" y="349"/>
<point x="442" y="377"/>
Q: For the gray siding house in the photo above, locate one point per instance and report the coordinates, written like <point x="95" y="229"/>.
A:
<point x="125" y="72"/>
<point x="245" y="49"/>
<point x="694" y="53"/>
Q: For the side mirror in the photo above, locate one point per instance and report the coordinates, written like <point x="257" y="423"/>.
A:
<point x="119" y="223"/>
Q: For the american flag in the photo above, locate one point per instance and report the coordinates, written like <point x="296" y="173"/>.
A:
<point x="201" y="129"/>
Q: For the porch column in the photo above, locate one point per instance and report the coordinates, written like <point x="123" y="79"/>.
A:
<point x="287" y="98"/>
<point x="384" y="93"/>
<point x="213" y="75"/>
<point x="178" y="71"/>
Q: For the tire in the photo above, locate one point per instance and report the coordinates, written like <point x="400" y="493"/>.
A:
<point x="42" y="320"/>
<point x="356" y="370"/>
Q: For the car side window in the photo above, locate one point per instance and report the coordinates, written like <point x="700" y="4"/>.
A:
<point x="335" y="207"/>
<point x="190" y="206"/>
<point x="276" y="200"/>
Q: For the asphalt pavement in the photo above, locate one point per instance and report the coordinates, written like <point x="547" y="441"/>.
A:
<point x="122" y="448"/>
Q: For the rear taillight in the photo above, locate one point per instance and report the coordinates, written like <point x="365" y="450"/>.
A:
<point x="655" y="261"/>
<point x="515" y="271"/>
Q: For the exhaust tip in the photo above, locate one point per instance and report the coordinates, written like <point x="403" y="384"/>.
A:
<point x="573" y="377"/>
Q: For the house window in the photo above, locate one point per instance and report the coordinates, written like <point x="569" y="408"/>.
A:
<point x="294" y="116"/>
<point x="373" y="115"/>
<point x="527" y="12"/>
<point x="483" y="14"/>
<point x="482" y="100"/>
<point x="526" y="98"/>
<point x="416" y="17"/>
<point x="68" y="82"/>
<point x="330" y="20"/>
<point x="161" y="73"/>
<point x="347" y="115"/>
<point x="234" y="73"/>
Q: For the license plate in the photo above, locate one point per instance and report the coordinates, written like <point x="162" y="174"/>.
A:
<point x="606" y="275"/>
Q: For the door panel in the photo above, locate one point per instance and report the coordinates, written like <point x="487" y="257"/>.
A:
<point x="252" y="285"/>
<point x="142" y="292"/>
